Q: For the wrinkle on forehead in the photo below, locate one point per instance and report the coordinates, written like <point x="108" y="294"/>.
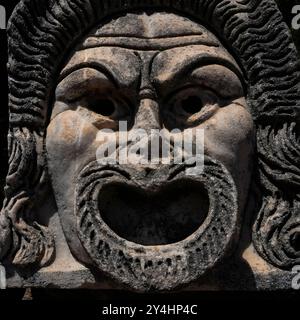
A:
<point x="142" y="44"/>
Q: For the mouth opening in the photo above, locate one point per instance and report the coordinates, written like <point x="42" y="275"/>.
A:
<point x="169" y="215"/>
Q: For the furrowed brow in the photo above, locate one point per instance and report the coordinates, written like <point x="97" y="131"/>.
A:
<point x="173" y="73"/>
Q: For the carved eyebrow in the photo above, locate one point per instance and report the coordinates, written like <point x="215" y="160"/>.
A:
<point x="197" y="61"/>
<point x="98" y="66"/>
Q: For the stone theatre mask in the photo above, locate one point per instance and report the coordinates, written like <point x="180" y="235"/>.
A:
<point x="226" y="67"/>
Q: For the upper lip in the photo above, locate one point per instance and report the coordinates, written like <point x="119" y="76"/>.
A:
<point x="143" y="179"/>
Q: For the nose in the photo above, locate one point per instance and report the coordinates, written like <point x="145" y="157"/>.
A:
<point x="148" y="119"/>
<point x="147" y="116"/>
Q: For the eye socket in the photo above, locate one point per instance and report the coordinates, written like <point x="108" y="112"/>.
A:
<point x="192" y="104"/>
<point x="190" y="107"/>
<point x="102" y="106"/>
<point x="191" y="101"/>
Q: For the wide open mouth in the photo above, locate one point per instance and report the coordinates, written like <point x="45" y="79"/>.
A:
<point x="169" y="215"/>
<point x="156" y="231"/>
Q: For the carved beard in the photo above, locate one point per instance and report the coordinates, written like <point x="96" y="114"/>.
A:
<point x="131" y="252"/>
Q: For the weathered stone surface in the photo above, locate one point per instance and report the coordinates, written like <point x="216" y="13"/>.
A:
<point x="70" y="220"/>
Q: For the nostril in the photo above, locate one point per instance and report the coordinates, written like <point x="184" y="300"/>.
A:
<point x="148" y="171"/>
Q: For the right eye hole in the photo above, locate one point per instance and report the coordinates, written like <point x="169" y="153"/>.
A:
<point x="102" y="106"/>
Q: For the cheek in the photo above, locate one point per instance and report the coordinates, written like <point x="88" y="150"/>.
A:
<point x="229" y="137"/>
<point x="70" y="140"/>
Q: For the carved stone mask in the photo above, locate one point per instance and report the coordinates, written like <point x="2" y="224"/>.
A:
<point x="150" y="226"/>
<point x="210" y="67"/>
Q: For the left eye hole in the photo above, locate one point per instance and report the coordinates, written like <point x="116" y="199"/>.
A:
<point x="192" y="104"/>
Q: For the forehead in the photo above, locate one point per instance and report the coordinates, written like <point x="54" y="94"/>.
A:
<point x="149" y="25"/>
<point x="155" y="31"/>
<point x="133" y="39"/>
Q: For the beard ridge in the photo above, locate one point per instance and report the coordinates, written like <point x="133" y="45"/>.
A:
<point x="159" y="267"/>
